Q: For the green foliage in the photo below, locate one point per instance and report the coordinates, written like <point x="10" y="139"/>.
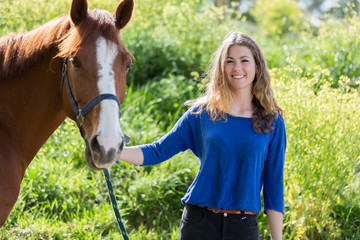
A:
<point x="277" y="17"/>
<point x="314" y="72"/>
<point x="174" y="37"/>
<point x="334" y="47"/>
<point x="322" y="161"/>
<point x="154" y="197"/>
<point x="17" y="15"/>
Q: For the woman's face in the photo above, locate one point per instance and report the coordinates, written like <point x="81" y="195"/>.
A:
<point x="240" y="68"/>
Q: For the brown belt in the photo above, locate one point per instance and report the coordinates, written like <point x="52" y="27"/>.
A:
<point x="229" y="211"/>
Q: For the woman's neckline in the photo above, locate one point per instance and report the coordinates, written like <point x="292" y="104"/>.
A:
<point x="235" y="116"/>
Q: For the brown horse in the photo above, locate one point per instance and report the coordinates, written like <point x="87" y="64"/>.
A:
<point x="84" y="53"/>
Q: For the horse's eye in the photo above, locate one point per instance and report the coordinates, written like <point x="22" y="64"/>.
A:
<point x="75" y="61"/>
<point x="128" y="65"/>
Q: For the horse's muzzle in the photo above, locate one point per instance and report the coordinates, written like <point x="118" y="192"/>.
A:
<point x="97" y="157"/>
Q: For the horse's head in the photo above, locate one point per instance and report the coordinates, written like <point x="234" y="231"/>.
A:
<point x="95" y="64"/>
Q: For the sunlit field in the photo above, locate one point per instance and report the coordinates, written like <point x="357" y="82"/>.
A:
<point x="316" y="75"/>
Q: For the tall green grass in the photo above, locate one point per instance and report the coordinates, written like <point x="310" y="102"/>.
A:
<point x="323" y="157"/>
<point x="61" y="198"/>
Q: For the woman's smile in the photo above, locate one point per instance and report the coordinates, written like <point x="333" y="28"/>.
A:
<point x="238" y="76"/>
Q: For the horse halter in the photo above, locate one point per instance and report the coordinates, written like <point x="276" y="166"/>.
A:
<point x="81" y="113"/>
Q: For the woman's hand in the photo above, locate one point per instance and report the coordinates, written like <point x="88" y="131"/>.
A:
<point x="132" y="155"/>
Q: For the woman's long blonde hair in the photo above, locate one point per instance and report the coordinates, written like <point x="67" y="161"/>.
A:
<point x="218" y="95"/>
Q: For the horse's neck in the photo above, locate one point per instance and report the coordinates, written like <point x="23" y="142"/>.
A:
<point x="32" y="108"/>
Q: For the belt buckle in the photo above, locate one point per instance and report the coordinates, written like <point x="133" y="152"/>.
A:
<point x="216" y="210"/>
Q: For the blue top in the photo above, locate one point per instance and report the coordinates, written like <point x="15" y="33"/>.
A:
<point x="235" y="161"/>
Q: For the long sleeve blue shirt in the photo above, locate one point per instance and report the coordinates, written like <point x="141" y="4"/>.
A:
<point x="236" y="163"/>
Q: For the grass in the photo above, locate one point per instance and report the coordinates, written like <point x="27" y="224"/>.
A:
<point x="322" y="159"/>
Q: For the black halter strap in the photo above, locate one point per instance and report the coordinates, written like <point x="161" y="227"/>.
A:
<point x="81" y="113"/>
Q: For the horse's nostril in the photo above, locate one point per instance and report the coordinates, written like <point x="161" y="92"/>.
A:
<point x="94" y="144"/>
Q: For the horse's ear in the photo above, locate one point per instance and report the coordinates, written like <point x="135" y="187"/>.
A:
<point x="124" y="13"/>
<point x="78" y="10"/>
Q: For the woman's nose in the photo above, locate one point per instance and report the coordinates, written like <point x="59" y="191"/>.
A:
<point x="238" y="67"/>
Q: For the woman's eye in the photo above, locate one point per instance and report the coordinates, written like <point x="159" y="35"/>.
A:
<point x="128" y="65"/>
<point x="75" y="61"/>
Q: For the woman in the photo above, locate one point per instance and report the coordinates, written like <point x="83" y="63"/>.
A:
<point x="237" y="131"/>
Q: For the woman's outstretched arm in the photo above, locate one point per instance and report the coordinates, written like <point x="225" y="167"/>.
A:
<point x="133" y="155"/>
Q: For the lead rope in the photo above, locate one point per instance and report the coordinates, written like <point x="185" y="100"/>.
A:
<point x="114" y="205"/>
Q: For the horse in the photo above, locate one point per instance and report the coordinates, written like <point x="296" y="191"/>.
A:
<point x="73" y="66"/>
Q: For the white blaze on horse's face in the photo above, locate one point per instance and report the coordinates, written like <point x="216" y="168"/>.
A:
<point x="109" y="131"/>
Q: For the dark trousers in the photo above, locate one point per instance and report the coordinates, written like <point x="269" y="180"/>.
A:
<point x="201" y="224"/>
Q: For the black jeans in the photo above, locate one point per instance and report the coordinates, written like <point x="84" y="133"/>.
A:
<point x="201" y="224"/>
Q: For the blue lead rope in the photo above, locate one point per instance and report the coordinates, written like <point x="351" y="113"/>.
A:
<point x="114" y="205"/>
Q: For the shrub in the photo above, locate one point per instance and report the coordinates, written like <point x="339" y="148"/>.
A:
<point x="173" y="37"/>
<point x="322" y="159"/>
<point x="334" y="47"/>
<point x="276" y="18"/>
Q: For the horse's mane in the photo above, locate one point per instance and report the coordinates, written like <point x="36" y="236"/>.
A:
<point x="20" y="52"/>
